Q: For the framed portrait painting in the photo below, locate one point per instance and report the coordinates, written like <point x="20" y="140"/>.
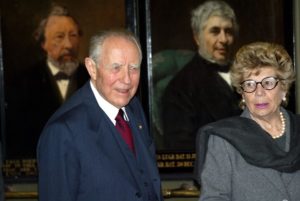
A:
<point x="171" y="46"/>
<point x="21" y="53"/>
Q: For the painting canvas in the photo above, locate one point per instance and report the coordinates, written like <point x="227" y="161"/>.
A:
<point x="19" y="20"/>
<point x="173" y="46"/>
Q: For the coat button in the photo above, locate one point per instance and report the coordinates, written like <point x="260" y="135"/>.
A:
<point x="138" y="194"/>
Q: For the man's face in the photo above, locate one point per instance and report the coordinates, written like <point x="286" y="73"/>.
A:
<point x="61" y="39"/>
<point x="216" y="39"/>
<point x="117" y="76"/>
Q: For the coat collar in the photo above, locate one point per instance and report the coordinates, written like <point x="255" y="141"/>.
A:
<point x="256" y="147"/>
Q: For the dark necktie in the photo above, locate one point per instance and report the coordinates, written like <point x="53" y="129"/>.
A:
<point x="123" y="127"/>
<point x="61" y="76"/>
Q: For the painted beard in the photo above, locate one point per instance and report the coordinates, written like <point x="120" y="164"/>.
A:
<point x="67" y="67"/>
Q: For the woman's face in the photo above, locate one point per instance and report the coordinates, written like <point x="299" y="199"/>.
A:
<point x="263" y="103"/>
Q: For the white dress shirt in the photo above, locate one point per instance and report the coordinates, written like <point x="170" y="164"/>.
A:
<point x="110" y="110"/>
<point x="62" y="84"/>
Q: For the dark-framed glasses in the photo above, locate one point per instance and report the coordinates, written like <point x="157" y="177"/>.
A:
<point x="267" y="83"/>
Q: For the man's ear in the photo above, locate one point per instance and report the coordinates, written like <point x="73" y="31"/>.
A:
<point x="43" y="46"/>
<point x="91" y="67"/>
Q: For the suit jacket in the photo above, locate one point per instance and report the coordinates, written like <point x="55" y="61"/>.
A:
<point x="81" y="155"/>
<point x="228" y="176"/>
<point x="37" y="98"/>
<point x="197" y="95"/>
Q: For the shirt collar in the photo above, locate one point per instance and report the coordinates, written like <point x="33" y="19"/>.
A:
<point x="110" y="110"/>
<point x="54" y="70"/>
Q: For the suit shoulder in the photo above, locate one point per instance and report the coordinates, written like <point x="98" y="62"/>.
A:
<point x="69" y="113"/>
<point x="193" y="72"/>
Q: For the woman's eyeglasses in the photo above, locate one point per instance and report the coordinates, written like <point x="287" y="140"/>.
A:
<point x="267" y="83"/>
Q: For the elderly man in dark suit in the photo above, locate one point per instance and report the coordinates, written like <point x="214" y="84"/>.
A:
<point x="47" y="84"/>
<point x="97" y="145"/>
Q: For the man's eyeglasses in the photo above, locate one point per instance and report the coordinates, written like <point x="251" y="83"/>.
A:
<point x="267" y="83"/>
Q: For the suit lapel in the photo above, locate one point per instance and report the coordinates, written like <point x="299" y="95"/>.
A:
<point x="211" y="87"/>
<point x="126" y="153"/>
<point x="117" y="149"/>
<point x="72" y="86"/>
<point x="54" y="86"/>
<point x="219" y="108"/>
<point x="144" y="144"/>
<point x="122" y="157"/>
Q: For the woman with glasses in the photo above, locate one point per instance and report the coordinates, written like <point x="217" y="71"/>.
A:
<point x="255" y="156"/>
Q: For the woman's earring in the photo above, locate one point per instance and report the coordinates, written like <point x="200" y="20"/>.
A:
<point x="242" y="103"/>
<point x="284" y="101"/>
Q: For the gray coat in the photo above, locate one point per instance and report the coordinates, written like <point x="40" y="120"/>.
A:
<point x="227" y="176"/>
